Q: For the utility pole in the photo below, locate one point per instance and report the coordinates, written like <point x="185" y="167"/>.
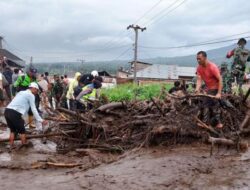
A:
<point x="82" y="61"/>
<point x="136" y="28"/>
<point x="1" y="42"/>
<point x="31" y="61"/>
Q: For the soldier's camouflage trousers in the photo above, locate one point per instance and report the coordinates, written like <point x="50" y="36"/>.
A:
<point x="211" y="109"/>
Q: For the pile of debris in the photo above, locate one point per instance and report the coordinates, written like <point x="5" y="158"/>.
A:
<point x="119" y="126"/>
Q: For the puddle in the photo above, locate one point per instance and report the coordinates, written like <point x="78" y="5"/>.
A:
<point x="39" y="146"/>
<point x="4" y="133"/>
<point x="5" y="157"/>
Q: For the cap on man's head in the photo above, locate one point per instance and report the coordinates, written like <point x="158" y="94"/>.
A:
<point x="33" y="70"/>
<point x="242" y="40"/>
<point x="223" y="65"/>
<point x="94" y="73"/>
<point x="34" y="85"/>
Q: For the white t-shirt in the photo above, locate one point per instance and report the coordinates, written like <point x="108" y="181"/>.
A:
<point x="43" y="84"/>
<point x="1" y="76"/>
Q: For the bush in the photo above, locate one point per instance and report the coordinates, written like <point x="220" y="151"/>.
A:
<point x="127" y="92"/>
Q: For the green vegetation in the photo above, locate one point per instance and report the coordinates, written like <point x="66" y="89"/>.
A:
<point x="127" y="92"/>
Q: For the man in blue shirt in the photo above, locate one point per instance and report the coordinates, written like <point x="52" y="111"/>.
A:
<point x="18" y="107"/>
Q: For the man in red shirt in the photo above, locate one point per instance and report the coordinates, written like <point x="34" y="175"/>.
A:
<point x="210" y="74"/>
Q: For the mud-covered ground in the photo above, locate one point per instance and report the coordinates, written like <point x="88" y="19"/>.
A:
<point x="186" y="166"/>
<point x="179" y="167"/>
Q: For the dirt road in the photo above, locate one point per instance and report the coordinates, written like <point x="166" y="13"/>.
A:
<point x="181" y="167"/>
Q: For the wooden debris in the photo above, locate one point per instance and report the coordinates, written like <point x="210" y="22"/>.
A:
<point x="110" y="106"/>
<point x="203" y="125"/>
<point x="111" y="128"/>
<point x="227" y="142"/>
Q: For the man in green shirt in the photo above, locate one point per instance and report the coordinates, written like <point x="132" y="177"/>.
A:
<point x="23" y="82"/>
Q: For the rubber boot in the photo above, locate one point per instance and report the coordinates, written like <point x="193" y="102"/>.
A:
<point x="31" y="125"/>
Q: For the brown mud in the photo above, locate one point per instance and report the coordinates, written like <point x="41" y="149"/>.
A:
<point x="179" y="167"/>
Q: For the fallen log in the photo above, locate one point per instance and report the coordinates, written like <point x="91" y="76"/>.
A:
<point x="105" y="148"/>
<point x="55" y="119"/>
<point x="41" y="135"/>
<point x="135" y="123"/>
<point x="45" y="164"/>
<point x="203" y="125"/>
<point x="69" y="123"/>
<point x="162" y="113"/>
<point x="191" y="96"/>
<point x="228" y="142"/>
<point x="110" y="106"/>
<point x="64" y="165"/>
<point x="113" y="113"/>
<point x="69" y="112"/>
<point x="245" y="121"/>
<point x="146" y="116"/>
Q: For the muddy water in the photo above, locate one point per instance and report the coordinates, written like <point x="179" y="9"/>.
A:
<point x="184" y="167"/>
<point x="179" y="167"/>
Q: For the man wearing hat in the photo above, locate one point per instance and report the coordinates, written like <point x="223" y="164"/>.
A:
<point x="18" y="107"/>
<point x="240" y="56"/>
<point x="89" y="93"/>
<point x="22" y="83"/>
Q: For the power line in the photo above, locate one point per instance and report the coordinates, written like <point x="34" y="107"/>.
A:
<point x="192" y="45"/>
<point x="171" y="5"/>
<point x="123" y="53"/>
<point x="168" y="12"/>
<point x="148" y="11"/>
<point x="112" y="41"/>
<point x="226" y="37"/>
<point x="159" y="14"/>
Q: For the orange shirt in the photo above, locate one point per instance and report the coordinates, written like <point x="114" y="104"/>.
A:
<point x="210" y="75"/>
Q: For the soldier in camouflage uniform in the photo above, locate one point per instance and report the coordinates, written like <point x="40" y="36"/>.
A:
<point x="57" y="90"/>
<point x="227" y="79"/>
<point x="240" y="56"/>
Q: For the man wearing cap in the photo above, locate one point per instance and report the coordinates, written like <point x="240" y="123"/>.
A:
<point x="18" y="107"/>
<point x="240" y="56"/>
<point x="88" y="78"/>
<point x="89" y="93"/>
<point x="22" y="83"/>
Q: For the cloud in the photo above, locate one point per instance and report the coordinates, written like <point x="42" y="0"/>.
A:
<point x="63" y="30"/>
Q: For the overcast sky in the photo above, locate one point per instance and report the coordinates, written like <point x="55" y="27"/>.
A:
<point x="69" y="30"/>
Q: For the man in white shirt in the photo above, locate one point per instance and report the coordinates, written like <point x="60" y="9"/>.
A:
<point x="18" y="107"/>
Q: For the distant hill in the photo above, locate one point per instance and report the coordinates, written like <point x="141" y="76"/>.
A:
<point x="215" y="55"/>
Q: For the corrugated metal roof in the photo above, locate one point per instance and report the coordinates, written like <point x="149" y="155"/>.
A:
<point x="13" y="58"/>
<point x="166" y="72"/>
<point x="186" y="71"/>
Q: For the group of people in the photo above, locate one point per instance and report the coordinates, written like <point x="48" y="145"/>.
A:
<point x="73" y="94"/>
<point x="214" y="81"/>
<point x="29" y="92"/>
